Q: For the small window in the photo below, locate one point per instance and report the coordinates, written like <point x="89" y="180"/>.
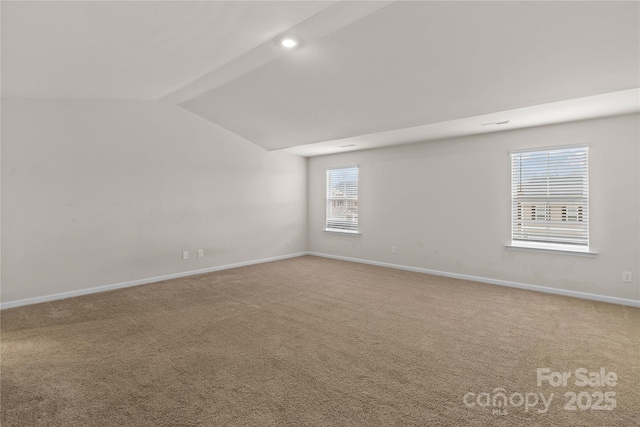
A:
<point x="342" y="200"/>
<point x="550" y="197"/>
<point x="539" y="213"/>
<point x="572" y="213"/>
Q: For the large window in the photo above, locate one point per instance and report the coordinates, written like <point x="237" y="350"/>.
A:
<point x="550" y="198"/>
<point x="342" y="199"/>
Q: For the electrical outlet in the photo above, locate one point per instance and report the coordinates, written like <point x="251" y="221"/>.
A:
<point x="393" y="249"/>
<point x="185" y="254"/>
<point x="200" y="253"/>
<point x="626" y="277"/>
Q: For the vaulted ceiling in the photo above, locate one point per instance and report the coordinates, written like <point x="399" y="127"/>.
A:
<point x="366" y="73"/>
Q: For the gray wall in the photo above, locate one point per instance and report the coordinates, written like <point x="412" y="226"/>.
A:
<point x="102" y="192"/>
<point x="446" y="206"/>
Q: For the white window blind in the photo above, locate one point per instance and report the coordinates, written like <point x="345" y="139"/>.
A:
<point x="550" y="196"/>
<point x="342" y="199"/>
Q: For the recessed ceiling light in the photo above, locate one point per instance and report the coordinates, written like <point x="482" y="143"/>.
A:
<point x="289" y="42"/>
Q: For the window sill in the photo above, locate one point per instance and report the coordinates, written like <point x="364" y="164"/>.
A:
<point x="344" y="232"/>
<point x="550" y="248"/>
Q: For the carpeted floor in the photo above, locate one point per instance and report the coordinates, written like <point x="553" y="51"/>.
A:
<point x="318" y="342"/>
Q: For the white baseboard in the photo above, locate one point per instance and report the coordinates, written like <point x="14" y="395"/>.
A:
<point x="576" y="294"/>
<point x="63" y="295"/>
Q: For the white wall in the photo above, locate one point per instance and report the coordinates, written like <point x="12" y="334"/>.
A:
<point x="446" y="206"/>
<point x="102" y="192"/>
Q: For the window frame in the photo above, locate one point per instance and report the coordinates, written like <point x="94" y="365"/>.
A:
<point x="343" y="202"/>
<point x="519" y="212"/>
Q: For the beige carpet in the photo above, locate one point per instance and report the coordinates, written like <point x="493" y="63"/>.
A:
<point x="315" y="342"/>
